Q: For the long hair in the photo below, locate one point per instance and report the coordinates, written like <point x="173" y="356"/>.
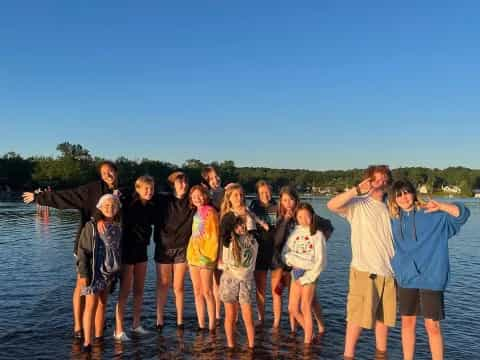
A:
<point x="235" y="242"/>
<point x="226" y="204"/>
<point x="306" y="206"/>
<point x="398" y="187"/>
<point x="290" y="191"/>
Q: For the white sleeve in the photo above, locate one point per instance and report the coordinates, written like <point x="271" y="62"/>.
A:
<point x="352" y="207"/>
<point x="320" y="261"/>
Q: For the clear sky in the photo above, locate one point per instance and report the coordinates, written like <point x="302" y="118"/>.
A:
<point x="286" y="84"/>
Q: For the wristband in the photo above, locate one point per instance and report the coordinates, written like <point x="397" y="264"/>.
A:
<point x="359" y="192"/>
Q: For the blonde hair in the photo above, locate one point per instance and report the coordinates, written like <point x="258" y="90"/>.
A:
<point x="144" y="180"/>
<point x="226" y="204"/>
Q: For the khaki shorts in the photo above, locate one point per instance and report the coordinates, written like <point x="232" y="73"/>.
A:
<point x="371" y="298"/>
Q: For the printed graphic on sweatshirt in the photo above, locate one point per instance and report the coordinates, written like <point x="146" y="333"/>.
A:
<point x="303" y="245"/>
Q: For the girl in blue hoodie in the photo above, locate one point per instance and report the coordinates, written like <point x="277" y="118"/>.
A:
<point x="421" y="265"/>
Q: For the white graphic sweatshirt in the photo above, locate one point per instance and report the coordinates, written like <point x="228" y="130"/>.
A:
<point x="306" y="252"/>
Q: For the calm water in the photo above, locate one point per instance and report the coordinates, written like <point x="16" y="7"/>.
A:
<point x="37" y="277"/>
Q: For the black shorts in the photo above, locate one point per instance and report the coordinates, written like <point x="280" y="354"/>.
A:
<point x="264" y="259"/>
<point x="170" y="256"/>
<point x="428" y="303"/>
<point x="134" y="254"/>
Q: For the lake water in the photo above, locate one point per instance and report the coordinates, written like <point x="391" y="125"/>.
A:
<point x="37" y="277"/>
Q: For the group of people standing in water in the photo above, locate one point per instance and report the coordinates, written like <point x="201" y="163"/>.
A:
<point x="399" y="250"/>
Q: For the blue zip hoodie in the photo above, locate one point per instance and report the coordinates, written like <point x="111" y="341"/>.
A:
<point x="421" y="247"/>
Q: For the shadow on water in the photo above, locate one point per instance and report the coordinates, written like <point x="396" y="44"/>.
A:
<point x="37" y="276"/>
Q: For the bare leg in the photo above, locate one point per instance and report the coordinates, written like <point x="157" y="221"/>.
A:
<point x="197" y="293"/>
<point x="78" y="304"/>
<point x="179" y="271"/>
<point x="139" y="272"/>
<point x="381" y="336"/>
<point x="294" y="300"/>
<point x="276" y="278"/>
<point x="435" y="338"/>
<point x="287" y="281"/>
<point x="88" y="318"/>
<point x="216" y="293"/>
<point x="230" y="316"/>
<point x="261" y="285"/>
<point x="100" y="313"/>
<point x="126" y="279"/>
<point x="408" y="336"/>
<point x="247" y="315"/>
<point x="164" y="279"/>
<point x="206" y="277"/>
<point x="318" y="315"/>
<point x="306" y="306"/>
<point x="351" y="337"/>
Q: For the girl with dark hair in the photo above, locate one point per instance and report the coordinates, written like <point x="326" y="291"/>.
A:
<point x="421" y="264"/>
<point x="287" y="207"/>
<point x="280" y="275"/>
<point x="212" y="182"/>
<point x="265" y="209"/>
<point x="305" y="252"/>
<point x="84" y="199"/>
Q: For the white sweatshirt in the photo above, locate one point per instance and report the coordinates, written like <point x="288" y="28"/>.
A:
<point x="306" y="252"/>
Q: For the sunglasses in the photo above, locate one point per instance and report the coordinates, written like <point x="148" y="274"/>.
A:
<point x="401" y="192"/>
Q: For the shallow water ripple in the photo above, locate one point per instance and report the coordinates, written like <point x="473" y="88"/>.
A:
<point x="37" y="277"/>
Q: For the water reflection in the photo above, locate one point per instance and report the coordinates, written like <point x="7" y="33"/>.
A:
<point x="37" y="277"/>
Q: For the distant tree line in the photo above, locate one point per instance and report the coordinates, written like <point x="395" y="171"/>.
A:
<point x="75" y="165"/>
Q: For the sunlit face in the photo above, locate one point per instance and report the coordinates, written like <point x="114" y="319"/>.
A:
<point x="287" y="202"/>
<point x="198" y="199"/>
<point x="379" y="181"/>
<point x="405" y="200"/>
<point x="304" y="218"/>
<point x="145" y="191"/>
<point x="264" y="194"/>
<point x="109" y="208"/>
<point x="108" y="175"/>
<point x="180" y="186"/>
<point x="236" y="198"/>
<point x="213" y="180"/>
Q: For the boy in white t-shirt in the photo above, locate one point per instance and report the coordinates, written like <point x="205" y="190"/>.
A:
<point x="371" y="301"/>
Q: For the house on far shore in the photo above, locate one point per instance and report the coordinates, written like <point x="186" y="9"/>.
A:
<point x="451" y="189"/>
<point x="476" y="193"/>
<point x="422" y="189"/>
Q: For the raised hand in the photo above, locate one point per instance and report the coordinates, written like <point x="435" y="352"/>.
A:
<point x="365" y="186"/>
<point x="432" y="206"/>
<point x="289" y="214"/>
<point x="28" y="197"/>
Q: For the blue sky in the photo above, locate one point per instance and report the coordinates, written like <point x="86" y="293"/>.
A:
<point x="306" y="84"/>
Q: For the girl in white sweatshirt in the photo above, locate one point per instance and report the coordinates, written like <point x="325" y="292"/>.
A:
<point x="305" y="252"/>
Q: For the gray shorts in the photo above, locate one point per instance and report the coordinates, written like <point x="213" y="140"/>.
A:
<point x="233" y="290"/>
